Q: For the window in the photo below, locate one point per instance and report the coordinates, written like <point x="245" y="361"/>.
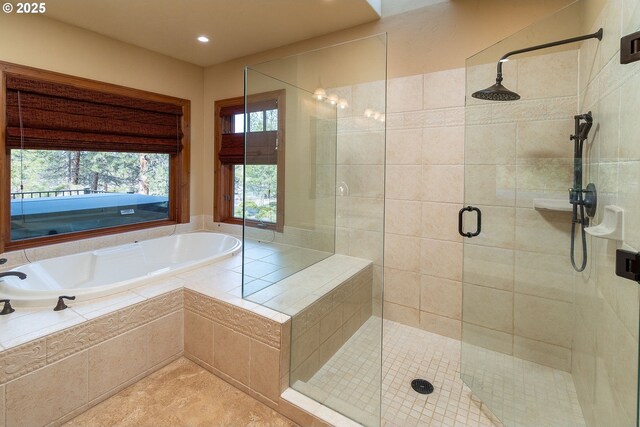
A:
<point x="263" y="173"/>
<point x="56" y="191"/>
<point x="85" y="158"/>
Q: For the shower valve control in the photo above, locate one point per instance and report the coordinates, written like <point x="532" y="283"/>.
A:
<point x="628" y="264"/>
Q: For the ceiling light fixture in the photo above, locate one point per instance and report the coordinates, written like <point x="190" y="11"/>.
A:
<point x="319" y="94"/>
<point x="203" y="39"/>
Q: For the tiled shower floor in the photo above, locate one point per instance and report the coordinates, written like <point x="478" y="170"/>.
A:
<point x="501" y="381"/>
<point x="411" y="353"/>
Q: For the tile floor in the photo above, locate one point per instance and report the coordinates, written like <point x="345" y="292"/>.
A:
<point x="181" y="394"/>
<point x="411" y="353"/>
<point x="519" y="392"/>
<point x="185" y="394"/>
<point x="349" y="382"/>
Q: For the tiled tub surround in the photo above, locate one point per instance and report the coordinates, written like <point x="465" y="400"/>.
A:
<point x="39" y="344"/>
<point x="245" y="349"/>
<point x="54" y="378"/>
<point x="65" y="373"/>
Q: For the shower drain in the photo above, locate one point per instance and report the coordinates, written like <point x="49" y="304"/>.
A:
<point x="422" y="386"/>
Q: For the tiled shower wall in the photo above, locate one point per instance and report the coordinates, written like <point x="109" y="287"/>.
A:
<point x="424" y="191"/>
<point x="605" y="338"/>
<point x="518" y="291"/>
<point x="360" y="178"/>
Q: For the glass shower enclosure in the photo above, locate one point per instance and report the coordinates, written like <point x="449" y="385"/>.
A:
<point x="544" y="343"/>
<point x="312" y="193"/>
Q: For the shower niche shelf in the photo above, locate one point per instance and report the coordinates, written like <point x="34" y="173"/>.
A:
<point x="612" y="224"/>
<point x="561" y="205"/>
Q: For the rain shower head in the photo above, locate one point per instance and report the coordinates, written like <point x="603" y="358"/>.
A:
<point x="497" y="92"/>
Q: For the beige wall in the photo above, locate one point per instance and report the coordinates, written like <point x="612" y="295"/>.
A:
<point x="433" y="38"/>
<point x="419" y="41"/>
<point x="43" y="43"/>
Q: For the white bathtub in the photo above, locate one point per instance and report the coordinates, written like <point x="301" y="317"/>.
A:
<point x="107" y="271"/>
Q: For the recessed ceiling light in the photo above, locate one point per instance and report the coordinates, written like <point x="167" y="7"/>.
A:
<point x="203" y="39"/>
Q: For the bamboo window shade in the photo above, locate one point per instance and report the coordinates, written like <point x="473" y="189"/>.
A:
<point x="45" y="115"/>
<point x="261" y="146"/>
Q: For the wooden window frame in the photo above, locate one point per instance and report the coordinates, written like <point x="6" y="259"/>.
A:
<point x="179" y="164"/>
<point x="223" y="173"/>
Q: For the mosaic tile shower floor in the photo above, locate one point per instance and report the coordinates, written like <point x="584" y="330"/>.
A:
<point x="413" y="353"/>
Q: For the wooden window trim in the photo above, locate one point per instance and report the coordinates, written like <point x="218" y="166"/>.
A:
<point x="179" y="164"/>
<point x="223" y="184"/>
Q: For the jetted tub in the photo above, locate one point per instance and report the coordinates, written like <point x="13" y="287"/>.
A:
<point x="107" y="271"/>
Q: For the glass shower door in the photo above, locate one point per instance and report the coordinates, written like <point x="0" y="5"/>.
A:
<point x="314" y="216"/>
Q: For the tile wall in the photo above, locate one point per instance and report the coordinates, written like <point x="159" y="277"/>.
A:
<point x="237" y="345"/>
<point x="360" y="179"/>
<point x="424" y="191"/>
<point x="605" y="337"/>
<point x="518" y="267"/>
<point x="518" y="291"/>
<point x="250" y="352"/>
<point x="319" y="330"/>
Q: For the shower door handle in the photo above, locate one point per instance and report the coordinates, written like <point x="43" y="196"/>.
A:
<point x="479" y="221"/>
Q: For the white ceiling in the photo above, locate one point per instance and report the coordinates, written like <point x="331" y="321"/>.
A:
<point x="236" y="27"/>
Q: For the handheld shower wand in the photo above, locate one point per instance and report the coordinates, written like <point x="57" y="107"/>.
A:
<point x="584" y="201"/>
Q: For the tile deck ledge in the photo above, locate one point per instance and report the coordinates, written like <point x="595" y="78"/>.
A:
<point x="31" y="323"/>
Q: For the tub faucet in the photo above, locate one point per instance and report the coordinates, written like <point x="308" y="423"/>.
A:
<point x="6" y="308"/>
<point x="19" y="274"/>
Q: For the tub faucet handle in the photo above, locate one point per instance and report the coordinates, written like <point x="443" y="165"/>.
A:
<point x="61" y="305"/>
<point x="7" y="309"/>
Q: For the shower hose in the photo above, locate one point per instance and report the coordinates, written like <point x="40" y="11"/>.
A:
<point x="583" y="235"/>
